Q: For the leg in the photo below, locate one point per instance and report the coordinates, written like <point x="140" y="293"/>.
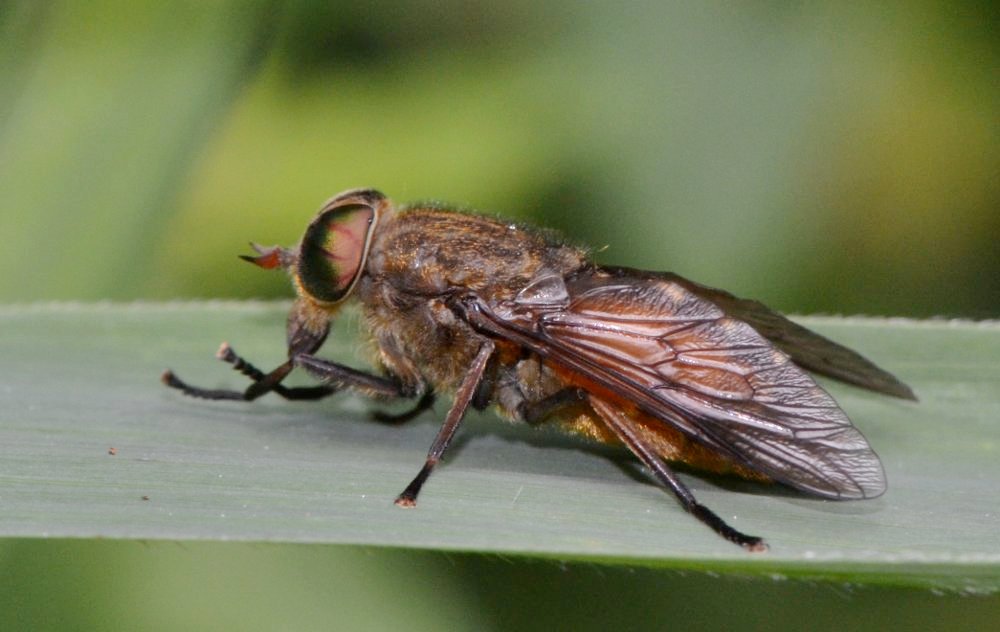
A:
<point x="462" y="399"/>
<point x="227" y="354"/>
<point x="621" y="425"/>
<point x="536" y="412"/>
<point x="340" y="376"/>
<point x="425" y="403"/>
<point x="267" y="382"/>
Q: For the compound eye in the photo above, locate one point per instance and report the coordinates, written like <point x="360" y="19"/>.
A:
<point x="334" y="249"/>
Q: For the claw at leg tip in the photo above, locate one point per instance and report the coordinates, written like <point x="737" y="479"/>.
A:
<point x="224" y="350"/>
<point x="406" y="502"/>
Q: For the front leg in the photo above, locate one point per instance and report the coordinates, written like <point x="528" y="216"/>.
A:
<point x="263" y="383"/>
<point x="229" y="355"/>
<point x="338" y="376"/>
<point x="305" y="330"/>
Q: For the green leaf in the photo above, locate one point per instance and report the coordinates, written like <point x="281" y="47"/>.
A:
<point x="78" y="380"/>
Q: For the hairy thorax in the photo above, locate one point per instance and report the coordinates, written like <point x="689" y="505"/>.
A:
<point x="422" y="257"/>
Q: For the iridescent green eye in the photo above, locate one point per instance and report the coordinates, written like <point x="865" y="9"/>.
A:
<point x="334" y="249"/>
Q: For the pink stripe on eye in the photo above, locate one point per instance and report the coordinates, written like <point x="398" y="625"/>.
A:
<point x="348" y="245"/>
<point x="349" y="234"/>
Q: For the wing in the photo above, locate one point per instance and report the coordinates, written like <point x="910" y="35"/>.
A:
<point x="806" y="348"/>
<point x="683" y="360"/>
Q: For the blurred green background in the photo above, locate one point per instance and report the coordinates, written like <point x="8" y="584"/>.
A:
<point x="822" y="157"/>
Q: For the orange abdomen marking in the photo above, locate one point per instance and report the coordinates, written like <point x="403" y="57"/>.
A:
<point x="668" y="442"/>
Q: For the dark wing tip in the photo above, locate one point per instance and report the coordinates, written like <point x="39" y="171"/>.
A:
<point x="859" y="372"/>
<point x="902" y="391"/>
<point x="807" y="348"/>
<point x="870" y="377"/>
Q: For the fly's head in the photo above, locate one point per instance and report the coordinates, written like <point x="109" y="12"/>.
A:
<point x="329" y="261"/>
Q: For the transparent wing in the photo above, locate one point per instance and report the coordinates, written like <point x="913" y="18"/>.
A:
<point x="682" y="359"/>
<point x="806" y="348"/>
